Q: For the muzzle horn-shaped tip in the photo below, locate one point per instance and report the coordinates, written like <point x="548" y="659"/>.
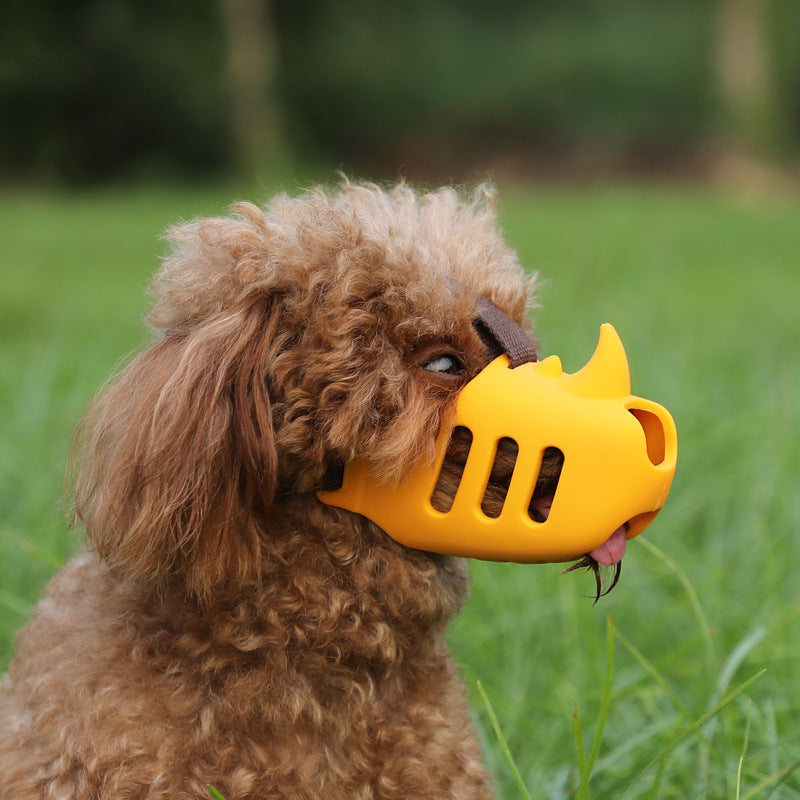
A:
<point x="606" y="374"/>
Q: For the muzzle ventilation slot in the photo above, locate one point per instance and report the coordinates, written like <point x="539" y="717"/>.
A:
<point x="505" y="458"/>
<point x="455" y="459"/>
<point x="546" y="484"/>
<point x="500" y="478"/>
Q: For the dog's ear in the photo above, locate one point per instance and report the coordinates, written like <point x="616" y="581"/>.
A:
<point x="176" y="460"/>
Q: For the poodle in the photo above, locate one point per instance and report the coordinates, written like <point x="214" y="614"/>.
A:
<point x="222" y="625"/>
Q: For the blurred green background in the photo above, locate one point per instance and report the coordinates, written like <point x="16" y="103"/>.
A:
<point x="647" y="159"/>
<point x="98" y="90"/>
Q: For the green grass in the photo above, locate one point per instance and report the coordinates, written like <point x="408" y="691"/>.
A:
<point x="704" y="291"/>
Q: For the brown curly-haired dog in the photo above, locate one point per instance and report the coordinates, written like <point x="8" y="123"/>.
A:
<point x="223" y="626"/>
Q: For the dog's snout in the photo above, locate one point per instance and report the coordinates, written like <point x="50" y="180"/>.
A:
<point x="655" y="428"/>
<point x="503" y="472"/>
<point x="567" y="462"/>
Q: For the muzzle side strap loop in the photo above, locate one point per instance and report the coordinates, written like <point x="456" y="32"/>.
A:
<point x="505" y="334"/>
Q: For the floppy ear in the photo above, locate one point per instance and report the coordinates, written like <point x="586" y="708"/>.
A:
<point x="176" y="459"/>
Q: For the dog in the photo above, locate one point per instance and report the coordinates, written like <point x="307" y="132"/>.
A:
<point x="223" y="626"/>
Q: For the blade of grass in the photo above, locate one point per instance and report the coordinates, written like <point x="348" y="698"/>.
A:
<point x="655" y="789"/>
<point x="780" y="779"/>
<point x="694" y="727"/>
<point x="215" y="793"/>
<point x="639" y="738"/>
<point x="729" y="668"/>
<point x="740" y="765"/>
<point x="737" y="656"/>
<point x="583" y="778"/>
<point x="586" y="765"/>
<point x="770" y="734"/>
<point x="654" y="672"/>
<point x="774" y="780"/>
<point x="503" y="743"/>
<point x="690" y="593"/>
<point x="605" y="704"/>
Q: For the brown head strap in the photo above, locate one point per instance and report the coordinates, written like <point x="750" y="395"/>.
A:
<point x="502" y="335"/>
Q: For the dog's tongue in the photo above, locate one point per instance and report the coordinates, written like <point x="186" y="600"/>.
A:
<point x="613" y="549"/>
<point x="610" y="552"/>
<point x="543" y="505"/>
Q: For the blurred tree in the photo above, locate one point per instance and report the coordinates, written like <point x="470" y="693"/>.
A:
<point x="744" y="66"/>
<point x="458" y="83"/>
<point x="94" y="90"/>
<point x="252" y="59"/>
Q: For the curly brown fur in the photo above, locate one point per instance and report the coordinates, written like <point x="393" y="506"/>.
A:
<point x="224" y="627"/>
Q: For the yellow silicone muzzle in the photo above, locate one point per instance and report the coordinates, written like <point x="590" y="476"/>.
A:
<point x="619" y="457"/>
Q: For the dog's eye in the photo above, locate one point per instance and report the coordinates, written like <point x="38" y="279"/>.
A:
<point x="446" y="365"/>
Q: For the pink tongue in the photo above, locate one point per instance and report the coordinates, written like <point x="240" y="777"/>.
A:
<point x="613" y="549"/>
<point x="543" y="505"/>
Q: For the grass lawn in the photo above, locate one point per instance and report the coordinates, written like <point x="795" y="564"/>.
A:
<point x="704" y="291"/>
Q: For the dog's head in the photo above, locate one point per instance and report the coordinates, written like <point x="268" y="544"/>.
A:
<point x="320" y="330"/>
<point x="334" y="330"/>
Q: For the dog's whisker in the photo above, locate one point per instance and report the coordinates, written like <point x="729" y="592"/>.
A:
<point x="588" y="563"/>
<point x="617" y="572"/>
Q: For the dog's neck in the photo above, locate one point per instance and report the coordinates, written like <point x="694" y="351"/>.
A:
<point x="329" y="584"/>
